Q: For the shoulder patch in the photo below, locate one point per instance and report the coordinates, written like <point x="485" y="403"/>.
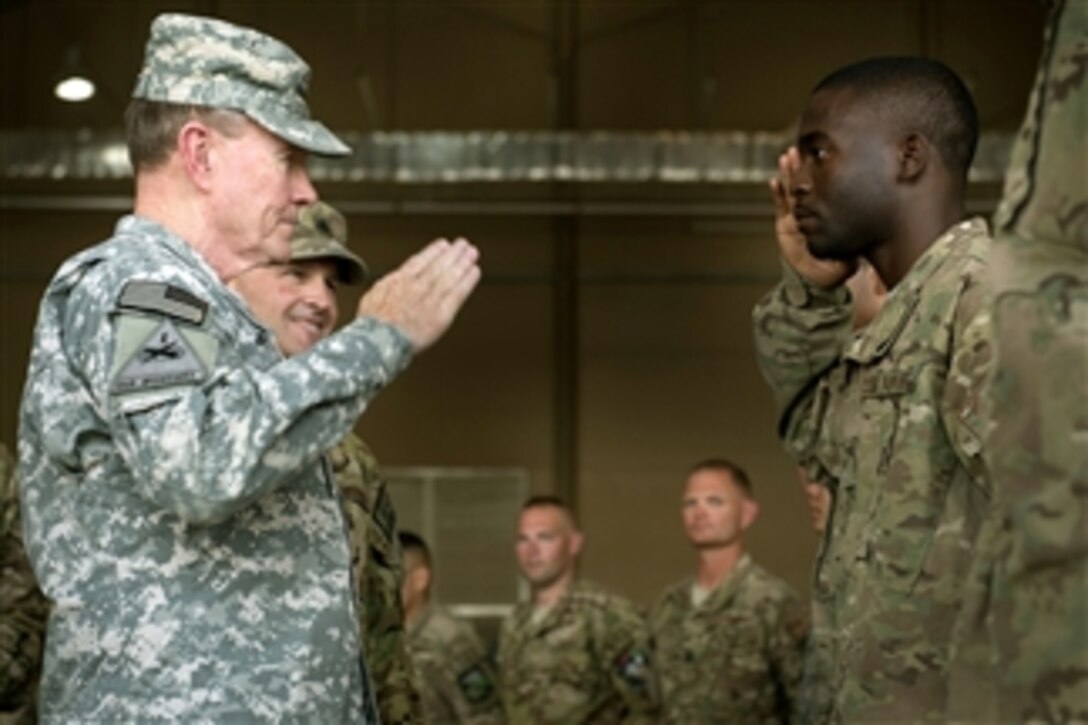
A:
<point x="475" y="685"/>
<point x="163" y="299"/>
<point x="163" y="359"/>
<point x="633" y="667"/>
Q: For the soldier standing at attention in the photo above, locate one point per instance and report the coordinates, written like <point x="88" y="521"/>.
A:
<point x="573" y="653"/>
<point x="296" y="301"/>
<point x="456" y="679"/>
<point x="889" y="416"/>
<point x="729" y="642"/>
<point x="179" y="511"/>
<point x="1023" y="640"/>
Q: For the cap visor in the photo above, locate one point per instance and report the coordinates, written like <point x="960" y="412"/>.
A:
<point x="306" y="134"/>
<point x="350" y="269"/>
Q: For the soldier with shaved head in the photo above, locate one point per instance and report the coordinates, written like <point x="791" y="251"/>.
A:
<point x="573" y="653"/>
<point x="889" y="416"/>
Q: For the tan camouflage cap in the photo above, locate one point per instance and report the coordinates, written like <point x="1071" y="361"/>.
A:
<point x="322" y="233"/>
<point x="208" y="62"/>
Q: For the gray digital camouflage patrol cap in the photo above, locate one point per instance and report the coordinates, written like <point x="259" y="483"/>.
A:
<point x="322" y="233"/>
<point x="208" y="62"/>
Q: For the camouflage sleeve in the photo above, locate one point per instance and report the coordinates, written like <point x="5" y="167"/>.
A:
<point x="623" y="646"/>
<point x="205" y="450"/>
<point x="470" y="687"/>
<point x="23" y="609"/>
<point x="786" y="652"/>
<point x="799" y="331"/>
<point x="963" y="403"/>
<point x="378" y="574"/>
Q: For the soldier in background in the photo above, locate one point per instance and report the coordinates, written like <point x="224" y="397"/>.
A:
<point x="729" y="642"/>
<point x="297" y="301"/>
<point x="890" y="417"/>
<point x="573" y="653"/>
<point x="456" y="679"/>
<point x="1022" y="642"/>
<point x="23" y="609"/>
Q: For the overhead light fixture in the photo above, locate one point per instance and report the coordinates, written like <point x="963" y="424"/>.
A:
<point x="74" y="86"/>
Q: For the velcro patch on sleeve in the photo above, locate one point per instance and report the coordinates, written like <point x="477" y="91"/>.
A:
<point x="163" y="299"/>
<point x="164" y="358"/>
<point x="633" y="667"/>
<point x="475" y="685"/>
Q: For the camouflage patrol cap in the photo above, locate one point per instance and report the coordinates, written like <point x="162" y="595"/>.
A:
<point x="208" y="62"/>
<point x="322" y="233"/>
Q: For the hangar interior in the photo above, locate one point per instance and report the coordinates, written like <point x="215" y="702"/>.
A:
<point x="610" y="160"/>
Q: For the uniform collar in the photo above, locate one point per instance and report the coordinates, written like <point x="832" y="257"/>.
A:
<point x="135" y="225"/>
<point x="878" y="337"/>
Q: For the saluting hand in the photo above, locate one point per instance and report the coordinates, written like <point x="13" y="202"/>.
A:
<point x="424" y="294"/>
<point x="823" y="273"/>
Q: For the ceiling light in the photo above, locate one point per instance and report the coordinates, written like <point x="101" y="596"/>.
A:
<point x="74" y="85"/>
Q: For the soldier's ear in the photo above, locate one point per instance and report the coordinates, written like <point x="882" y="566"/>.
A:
<point x="749" y="512"/>
<point x="913" y="157"/>
<point x="421" y="577"/>
<point x="576" y="542"/>
<point x="194" y="148"/>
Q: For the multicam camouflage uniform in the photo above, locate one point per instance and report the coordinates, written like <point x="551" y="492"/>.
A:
<point x="179" y="512"/>
<point x="734" y="658"/>
<point x="23" y="609"/>
<point x="456" y="678"/>
<point x="1023" y="642"/>
<point x="814" y="692"/>
<point x="587" y="660"/>
<point x="891" y="416"/>
<point x="376" y="564"/>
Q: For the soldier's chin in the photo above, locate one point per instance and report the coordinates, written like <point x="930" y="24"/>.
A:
<point x="822" y="248"/>
<point x="709" y="543"/>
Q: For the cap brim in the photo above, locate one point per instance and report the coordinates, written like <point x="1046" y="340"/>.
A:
<point x="351" y="269"/>
<point x="307" y="134"/>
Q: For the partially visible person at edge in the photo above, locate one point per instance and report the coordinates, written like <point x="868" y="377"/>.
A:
<point x="1022" y="642"/>
<point x="729" y="642"/>
<point x="890" y="416"/>
<point x="179" y="513"/>
<point x="23" y="609"/>
<point x="867" y="295"/>
<point x="296" y="301"/>
<point x="573" y="653"/>
<point x="456" y="678"/>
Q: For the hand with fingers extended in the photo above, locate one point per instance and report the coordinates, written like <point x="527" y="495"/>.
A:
<point x="424" y="294"/>
<point x="823" y="273"/>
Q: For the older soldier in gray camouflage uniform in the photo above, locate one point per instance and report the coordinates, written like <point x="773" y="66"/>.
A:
<point x="178" y="508"/>
<point x="729" y="642"/>
<point x="1023" y="641"/>
<point x="23" y="609"/>
<point x="574" y="653"/>
<point x="297" y="302"/>
<point x="890" y="416"/>
<point x="456" y="678"/>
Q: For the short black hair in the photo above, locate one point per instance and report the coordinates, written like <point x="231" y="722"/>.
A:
<point x="410" y="541"/>
<point x="922" y="94"/>
<point x="540" y="500"/>
<point x="724" y="465"/>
